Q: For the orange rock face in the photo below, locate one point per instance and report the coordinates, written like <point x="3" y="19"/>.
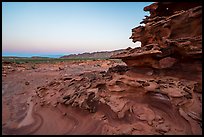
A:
<point x="157" y="92"/>
<point x="172" y="30"/>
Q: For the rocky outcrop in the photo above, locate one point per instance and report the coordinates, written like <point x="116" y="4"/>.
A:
<point x="158" y="92"/>
<point x="126" y="101"/>
<point x="172" y="33"/>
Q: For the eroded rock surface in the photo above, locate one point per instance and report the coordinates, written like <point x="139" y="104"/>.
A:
<point x="158" y="91"/>
<point x="172" y="33"/>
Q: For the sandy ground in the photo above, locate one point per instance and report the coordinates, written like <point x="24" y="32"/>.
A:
<point x="89" y="98"/>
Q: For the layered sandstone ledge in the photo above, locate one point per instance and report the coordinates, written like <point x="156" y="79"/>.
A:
<point x="172" y="33"/>
<point x="158" y="92"/>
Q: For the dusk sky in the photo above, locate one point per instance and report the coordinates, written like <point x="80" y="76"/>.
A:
<point x="42" y="28"/>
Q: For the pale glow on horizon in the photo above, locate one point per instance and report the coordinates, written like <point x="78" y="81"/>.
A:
<point x="70" y="27"/>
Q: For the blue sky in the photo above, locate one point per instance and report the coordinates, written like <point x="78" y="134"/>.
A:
<point x="42" y="28"/>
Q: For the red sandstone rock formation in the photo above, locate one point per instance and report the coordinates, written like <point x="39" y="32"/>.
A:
<point x="172" y="33"/>
<point x="158" y="92"/>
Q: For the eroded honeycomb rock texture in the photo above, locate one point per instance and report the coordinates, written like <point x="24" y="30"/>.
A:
<point x="171" y="45"/>
<point x="159" y="91"/>
<point x="172" y="33"/>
